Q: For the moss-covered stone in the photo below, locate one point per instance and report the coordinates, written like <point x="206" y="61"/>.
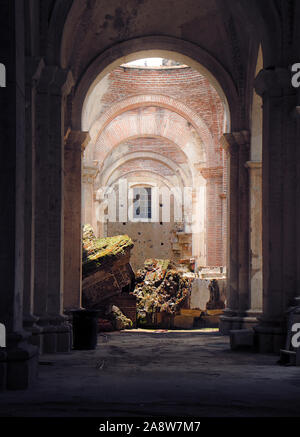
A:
<point x="96" y="252"/>
<point x="119" y="320"/>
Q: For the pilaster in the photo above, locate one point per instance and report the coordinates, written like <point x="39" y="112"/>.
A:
<point x="90" y="171"/>
<point x="237" y="145"/>
<point x="75" y="143"/>
<point x="214" y="242"/>
<point x="279" y="218"/>
<point x="54" y="86"/>
<point x="18" y="361"/>
<point x="255" y="174"/>
<point x="34" y="68"/>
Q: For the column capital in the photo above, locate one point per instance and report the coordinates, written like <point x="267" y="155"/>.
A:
<point x="199" y="165"/>
<point x="212" y="172"/>
<point x="77" y="140"/>
<point x="55" y="80"/>
<point x="89" y="171"/>
<point x="274" y="82"/>
<point x="253" y="165"/>
<point x="62" y="82"/>
<point x="233" y="141"/>
<point x="45" y="79"/>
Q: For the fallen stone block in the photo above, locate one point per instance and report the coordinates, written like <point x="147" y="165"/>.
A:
<point x="241" y="338"/>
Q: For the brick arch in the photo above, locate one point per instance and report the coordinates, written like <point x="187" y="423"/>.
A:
<point x="142" y="156"/>
<point x="158" y="46"/>
<point x="152" y="173"/>
<point x="160" y="145"/>
<point x="158" y="100"/>
<point x="155" y="123"/>
<point x="132" y="138"/>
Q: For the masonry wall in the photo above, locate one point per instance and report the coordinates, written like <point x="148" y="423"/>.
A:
<point x="183" y="84"/>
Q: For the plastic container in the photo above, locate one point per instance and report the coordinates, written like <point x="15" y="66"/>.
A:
<point x="85" y="329"/>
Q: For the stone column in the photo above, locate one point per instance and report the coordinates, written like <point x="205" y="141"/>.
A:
<point x="41" y="202"/>
<point x="237" y="145"/>
<point x="243" y="139"/>
<point x="214" y="187"/>
<point x="297" y="159"/>
<point x="279" y="217"/>
<point x="231" y="147"/>
<point x="74" y="146"/>
<point x="89" y="172"/>
<point x="223" y="197"/>
<point x="34" y="67"/>
<point x="18" y="361"/>
<point x="255" y="172"/>
<point x="53" y="87"/>
<point x="60" y="87"/>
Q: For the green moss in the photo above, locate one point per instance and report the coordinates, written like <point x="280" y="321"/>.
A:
<point x="119" y="320"/>
<point x="96" y="252"/>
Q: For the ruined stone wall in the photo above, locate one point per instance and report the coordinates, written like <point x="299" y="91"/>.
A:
<point x="163" y="122"/>
<point x="151" y="240"/>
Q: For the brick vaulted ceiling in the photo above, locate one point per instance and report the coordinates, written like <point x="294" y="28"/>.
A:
<point x="176" y="105"/>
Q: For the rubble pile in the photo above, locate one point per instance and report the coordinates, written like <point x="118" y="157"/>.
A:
<point x="160" y="288"/>
<point x="113" y="320"/>
<point x="119" y="320"/>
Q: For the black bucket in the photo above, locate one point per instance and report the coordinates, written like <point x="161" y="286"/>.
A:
<point x="85" y="329"/>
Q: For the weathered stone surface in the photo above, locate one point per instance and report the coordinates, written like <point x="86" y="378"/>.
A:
<point x="199" y="294"/>
<point x="106" y="268"/>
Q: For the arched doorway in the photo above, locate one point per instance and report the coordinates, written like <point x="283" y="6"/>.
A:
<point x="142" y="123"/>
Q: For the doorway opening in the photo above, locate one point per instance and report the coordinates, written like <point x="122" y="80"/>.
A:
<point x="154" y="170"/>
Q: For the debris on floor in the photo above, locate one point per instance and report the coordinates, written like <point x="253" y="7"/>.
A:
<point x="119" y="320"/>
<point x="161" y="289"/>
<point x="163" y="294"/>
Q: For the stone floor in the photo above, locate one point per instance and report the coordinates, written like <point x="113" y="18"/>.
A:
<point x="190" y="373"/>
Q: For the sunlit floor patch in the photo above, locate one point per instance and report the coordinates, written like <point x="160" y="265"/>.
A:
<point x="173" y="331"/>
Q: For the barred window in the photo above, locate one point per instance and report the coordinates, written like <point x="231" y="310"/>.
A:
<point x="142" y="203"/>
